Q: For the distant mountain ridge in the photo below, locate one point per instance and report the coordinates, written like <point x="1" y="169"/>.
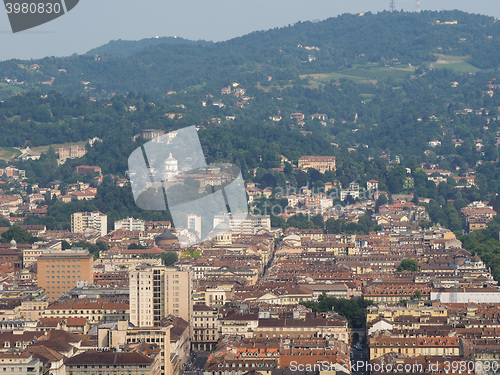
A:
<point x="158" y="65"/>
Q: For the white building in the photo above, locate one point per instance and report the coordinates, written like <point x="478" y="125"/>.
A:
<point x="249" y="225"/>
<point x="131" y="224"/>
<point x="82" y="222"/>
<point x="447" y="295"/>
<point x="352" y="190"/>
<point x="194" y="224"/>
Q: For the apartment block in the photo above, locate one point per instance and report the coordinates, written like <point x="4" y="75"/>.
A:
<point x="131" y="224"/>
<point x="249" y="224"/>
<point x="204" y="326"/>
<point x="20" y="364"/>
<point x="82" y="222"/>
<point x="156" y="292"/>
<point x="59" y="271"/>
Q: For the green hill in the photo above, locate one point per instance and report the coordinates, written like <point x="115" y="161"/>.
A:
<point x="334" y="45"/>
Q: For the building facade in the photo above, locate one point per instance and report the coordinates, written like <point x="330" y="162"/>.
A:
<point x="156" y="292"/>
<point x="104" y="363"/>
<point x="204" y="327"/>
<point x="82" y="222"/>
<point x="320" y="163"/>
<point x="131" y="224"/>
<point x="59" y="271"/>
<point x="20" y="364"/>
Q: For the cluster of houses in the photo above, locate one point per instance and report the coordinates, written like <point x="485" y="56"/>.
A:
<point x="238" y="297"/>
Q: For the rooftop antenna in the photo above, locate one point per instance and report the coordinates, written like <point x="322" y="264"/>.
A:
<point x="419" y="6"/>
<point x="392" y="6"/>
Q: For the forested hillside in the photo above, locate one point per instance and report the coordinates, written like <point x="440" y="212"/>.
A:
<point x="328" y="46"/>
<point x="388" y="94"/>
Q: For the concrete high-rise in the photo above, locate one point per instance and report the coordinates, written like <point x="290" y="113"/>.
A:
<point x="156" y="292"/>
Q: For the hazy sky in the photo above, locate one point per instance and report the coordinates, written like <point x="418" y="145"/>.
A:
<point x="95" y="22"/>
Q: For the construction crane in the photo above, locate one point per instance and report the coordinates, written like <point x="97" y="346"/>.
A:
<point x="454" y="299"/>
<point x="392" y="6"/>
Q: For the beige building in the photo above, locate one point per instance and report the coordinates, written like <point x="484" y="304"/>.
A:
<point x="219" y="295"/>
<point x="31" y="255"/>
<point x="249" y="224"/>
<point x="20" y="364"/>
<point x="71" y="152"/>
<point x="94" y="310"/>
<point x="33" y="309"/>
<point x="121" y="334"/>
<point x="82" y="222"/>
<point x="320" y="163"/>
<point x="204" y="327"/>
<point x="415" y="346"/>
<point x="156" y="292"/>
<point x="59" y="271"/>
<point x="302" y="325"/>
<point x="154" y="335"/>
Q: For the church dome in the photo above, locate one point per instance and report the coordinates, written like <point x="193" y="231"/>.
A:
<point x="166" y="238"/>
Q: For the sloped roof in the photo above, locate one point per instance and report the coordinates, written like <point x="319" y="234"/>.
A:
<point x="107" y="358"/>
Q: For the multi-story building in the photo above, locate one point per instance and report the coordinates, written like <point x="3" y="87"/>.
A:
<point x="217" y="296"/>
<point x="415" y="346"/>
<point x="204" y="327"/>
<point x="94" y="310"/>
<point x="112" y="336"/>
<point x="131" y="224"/>
<point x="59" y="271"/>
<point x="82" y="222"/>
<point x="157" y="335"/>
<point x="71" y="152"/>
<point x="156" y="292"/>
<point x="30" y="255"/>
<point x="33" y="309"/>
<point x="245" y="225"/>
<point x="320" y="163"/>
<point x="104" y="363"/>
<point x="20" y="364"/>
<point x="477" y="215"/>
<point x="194" y="224"/>
<point x="303" y="325"/>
